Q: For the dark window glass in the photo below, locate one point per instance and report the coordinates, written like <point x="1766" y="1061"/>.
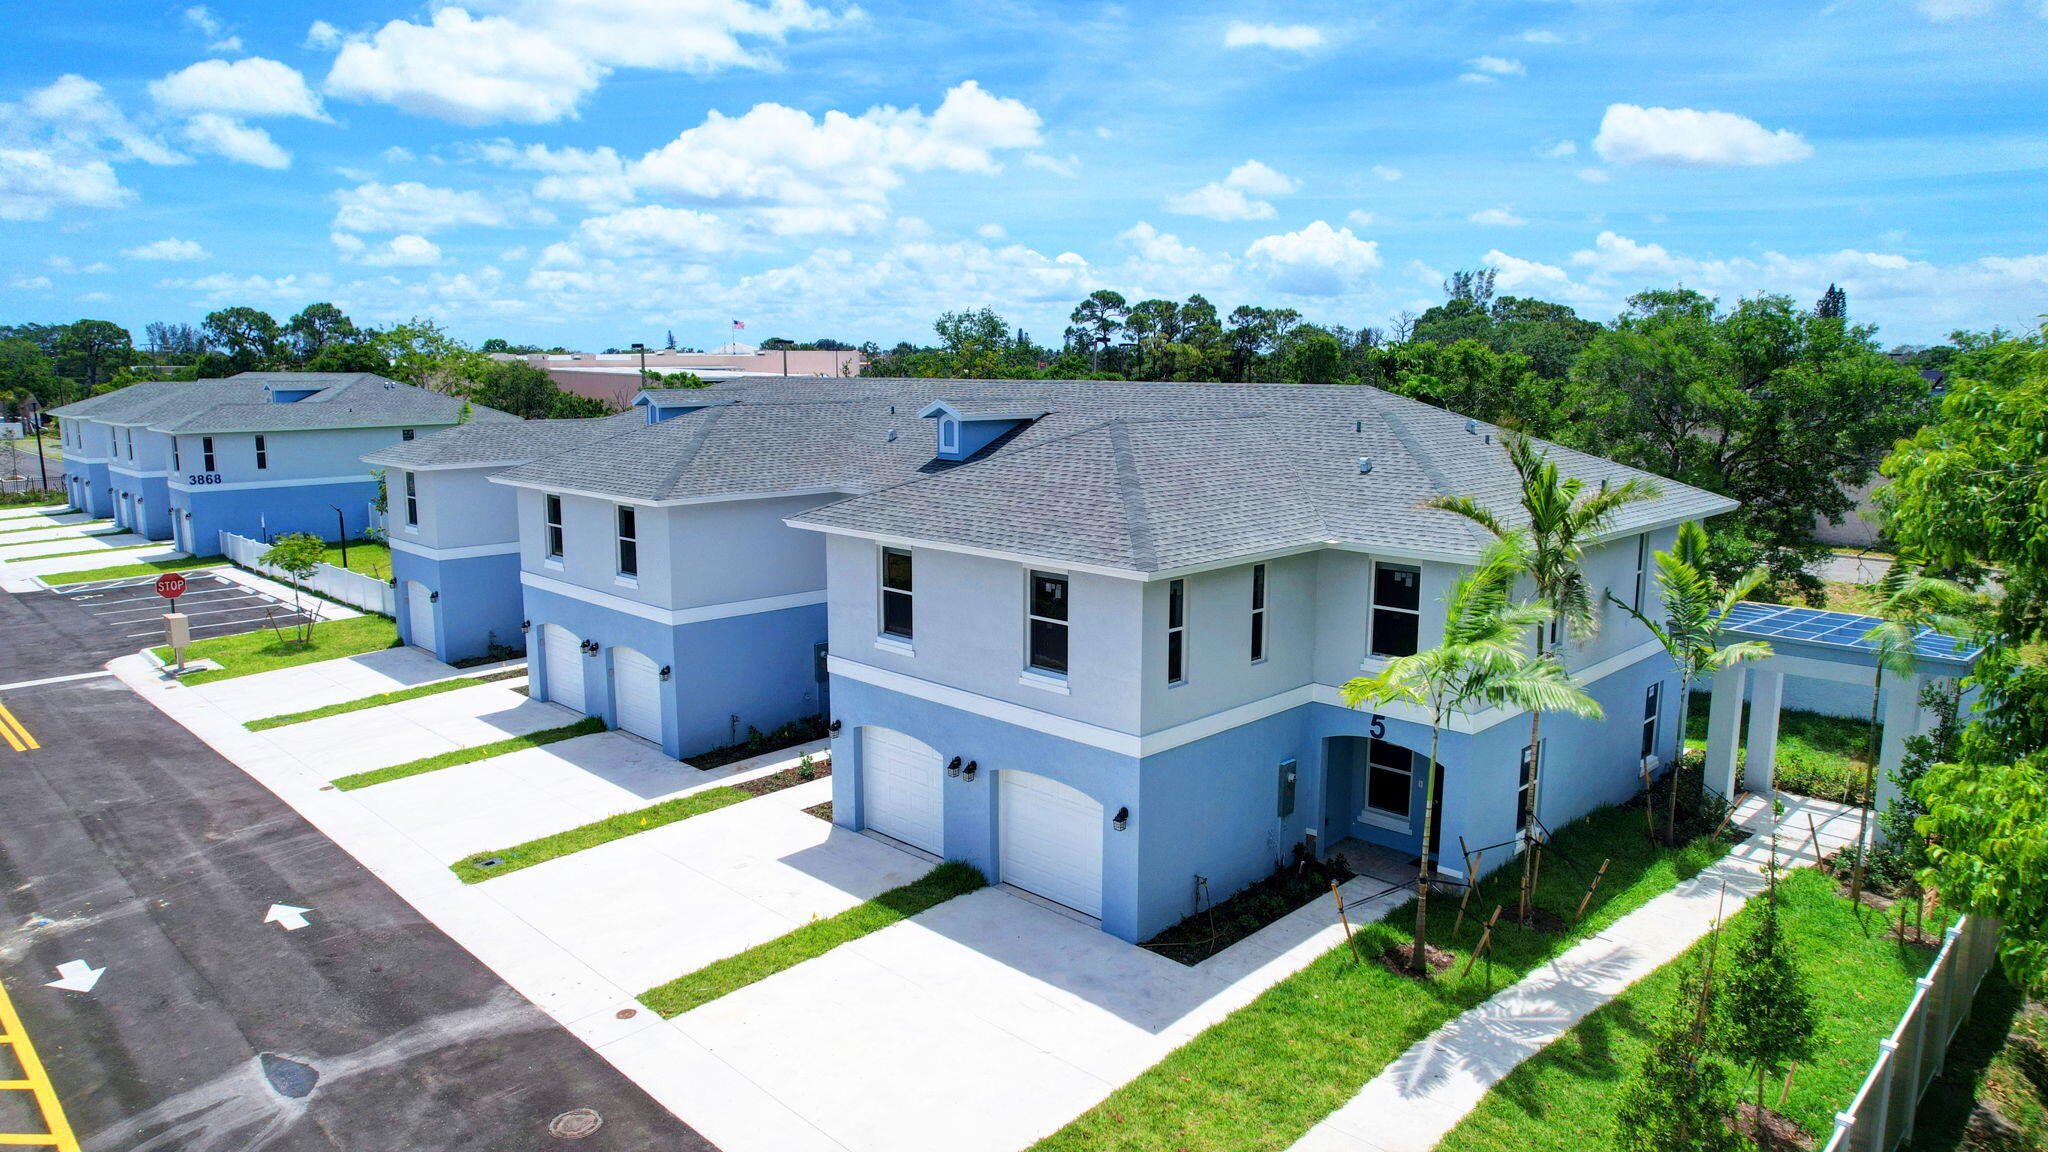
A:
<point x="1389" y="778"/>
<point x="262" y="454"/>
<point x="1397" y="586"/>
<point x="405" y="433"/>
<point x="896" y="593"/>
<point x="1048" y="596"/>
<point x="1652" y="699"/>
<point x="1396" y="609"/>
<point x="1176" y="631"/>
<point x="1176" y="646"/>
<point x="629" y="544"/>
<point x="206" y="453"/>
<point x="554" y="518"/>
<point x="1258" y="612"/>
<point x="1394" y="633"/>
<point x="1049" y="646"/>
<point x="1522" y="812"/>
<point x="412" y="503"/>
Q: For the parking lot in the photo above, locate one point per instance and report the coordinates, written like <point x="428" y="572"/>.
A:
<point x="132" y="610"/>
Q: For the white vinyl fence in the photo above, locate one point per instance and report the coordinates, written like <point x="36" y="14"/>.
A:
<point x="365" y="592"/>
<point x="1882" y="1114"/>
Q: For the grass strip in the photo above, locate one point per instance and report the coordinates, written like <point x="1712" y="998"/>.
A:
<point x="1264" y="1075"/>
<point x="87" y="552"/>
<point x="953" y="878"/>
<point x="1563" y="1099"/>
<point x="251" y="652"/>
<point x="589" y="725"/>
<point x="379" y="700"/>
<point x="142" y="568"/>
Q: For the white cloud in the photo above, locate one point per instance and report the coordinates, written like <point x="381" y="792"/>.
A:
<point x="533" y="61"/>
<point x="409" y="250"/>
<point x="322" y="37"/>
<point x="1286" y="37"/>
<point x="651" y="231"/>
<point x="1559" y="150"/>
<point x="1593" y="175"/>
<point x="170" y="248"/>
<point x="1686" y="137"/>
<point x="1942" y="11"/>
<point x="211" y="27"/>
<point x="30" y="283"/>
<point x="1519" y="277"/>
<point x="992" y="232"/>
<point x="1317" y="261"/>
<point x="243" y="143"/>
<point x="398" y="155"/>
<point x="252" y="88"/>
<point x="1496" y="217"/>
<point x="75" y="115"/>
<point x="1160" y="262"/>
<point x="1488" y="69"/>
<point x="409" y="206"/>
<point x="1236" y="196"/>
<point x="35" y="182"/>
<point x="1360" y="218"/>
<point x="1540" y="36"/>
<point x="1388" y="174"/>
<point x="1069" y="167"/>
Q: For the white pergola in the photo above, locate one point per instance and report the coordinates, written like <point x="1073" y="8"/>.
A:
<point x="1823" y="646"/>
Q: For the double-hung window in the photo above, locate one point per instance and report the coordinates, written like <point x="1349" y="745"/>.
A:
<point x="1653" y="703"/>
<point x="412" y="499"/>
<point x="553" y="505"/>
<point x="1047" y="623"/>
<point x="1389" y="779"/>
<point x="262" y="454"/>
<point x="206" y="454"/>
<point x="1642" y="568"/>
<point x="898" y="619"/>
<point x="1525" y="789"/>
<point x="1258" y="613"/>
<point x="1176" y="631"/>
<point x="629" y="543"/>
<point x="1396" y="609"/>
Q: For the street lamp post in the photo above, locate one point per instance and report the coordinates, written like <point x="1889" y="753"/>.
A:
<point x="341" y="533"/>
<point x="42" y="461"/>
<point x="642" y="350"/>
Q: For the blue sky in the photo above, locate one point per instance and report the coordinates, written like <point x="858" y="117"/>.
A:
<point x="595" y="172"/>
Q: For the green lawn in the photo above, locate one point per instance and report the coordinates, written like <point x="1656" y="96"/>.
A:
<point x="141" y="568"/>
<point x="1563" y="1100"/>
<point x="253" y="652"/>
<point x="587" y="726"/>
<point x="379" y="700"/>
<point x="598" y="832"/>
<point x="1819" y="756"/>
<point x="1265" y="1074"/>
<point x="31" y="499"/>
<point x="708" y="983"/>
<point x="369" y="557"/>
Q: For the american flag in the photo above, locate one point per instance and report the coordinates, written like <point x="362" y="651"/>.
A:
<point x="738" y="324"/>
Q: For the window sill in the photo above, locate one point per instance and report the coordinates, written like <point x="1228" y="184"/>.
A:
<point x="1374" y="663"/>
<point x="411" y="529"/>
<point x="894" y="644"/>
<point x="551" y="565"/>
<point x="1045" y="681"/>
<point x="1385" y="820"/>
<point x="626" y="581"/>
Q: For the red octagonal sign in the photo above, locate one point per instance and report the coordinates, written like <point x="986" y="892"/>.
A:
<point x="170" y="585"/>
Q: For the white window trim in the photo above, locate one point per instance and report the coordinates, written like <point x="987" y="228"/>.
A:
<point x="949" y="434"/>
<point x="1373" y="609"/>
<point x="262" y="454"/>
<point x="554" y="539"/>
<point x="884" y="639"/>
<point x="206" y="456"/>
<point x="1653" y="719"/>
<point x="1032" y="674"/>
<point x="1173" y="630"/>
<point x="619" y="514"/>
<point x="412" y="503"/>
<point x="1261" y="592"/>
<point x="1642" y="568"/>
<point x="1380" y="817"/>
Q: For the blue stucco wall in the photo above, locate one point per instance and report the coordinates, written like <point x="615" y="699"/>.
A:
<point x="759" y="667"/>
<point x="153" y="492"/>
<point x="480" y="603"/>
<point x="98" y="499"/>
<point x="263" y="513"/>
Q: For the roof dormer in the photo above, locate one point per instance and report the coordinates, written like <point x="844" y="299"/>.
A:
<point x="281" y="393"/>
<point x="967" y="426"/>
<point x="669" y="403"/>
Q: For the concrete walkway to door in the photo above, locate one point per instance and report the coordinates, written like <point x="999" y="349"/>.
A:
<point x="1422" y="1095"/>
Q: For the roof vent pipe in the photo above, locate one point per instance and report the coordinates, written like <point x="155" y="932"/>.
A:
<point x="1360" y="428"/>
<point x="1365" y="465"/>
<point x="890" y="435"/>
<point x="1472" y="427"/>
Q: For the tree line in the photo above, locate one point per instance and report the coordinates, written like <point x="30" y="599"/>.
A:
<point x="46" y="365"/>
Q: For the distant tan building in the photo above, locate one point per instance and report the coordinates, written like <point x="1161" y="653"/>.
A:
<point x="613" y="377"/>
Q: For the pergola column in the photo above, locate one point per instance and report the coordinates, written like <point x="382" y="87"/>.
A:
<point x="1766" y="698"/>
<point x="1724" y="729"/>
<point x="1903" y="718"/>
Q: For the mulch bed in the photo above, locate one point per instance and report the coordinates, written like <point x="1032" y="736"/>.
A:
<point x="1208" y="932"/>
<point x="787" y="778"/>
<point x="1398" y="959"/>
<point x="1543" y="920"/>
<point x="821" y="811"/>
<point x="1779" y="1134"/>
<point x="759" y="743"/>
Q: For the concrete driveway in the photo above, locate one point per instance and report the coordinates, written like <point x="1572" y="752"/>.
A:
<point x="412" y="729"/>
<point x="310" y="686"/>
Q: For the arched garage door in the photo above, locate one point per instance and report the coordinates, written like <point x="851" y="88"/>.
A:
<point x="564" y="664"/>
<point x="1052" y="840"/>
<point x="636" y="693"/>
<point x="899" y="788"/>
<point x="419" y="614"/>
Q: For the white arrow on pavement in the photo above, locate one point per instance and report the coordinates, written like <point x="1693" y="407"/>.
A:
<point x="292" y="918"/>
<point x="77" y="976"/>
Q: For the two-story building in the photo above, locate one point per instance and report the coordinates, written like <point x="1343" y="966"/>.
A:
<point x="452" y="531"/>
<point x="1089" y="636"/>
<point x="258" y="454"/>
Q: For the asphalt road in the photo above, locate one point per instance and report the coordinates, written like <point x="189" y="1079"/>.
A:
<point x="127" y="843"/>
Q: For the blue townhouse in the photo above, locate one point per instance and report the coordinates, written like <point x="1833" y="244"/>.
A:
<point x="454" y="535"/>
<point x="258" y="454"/>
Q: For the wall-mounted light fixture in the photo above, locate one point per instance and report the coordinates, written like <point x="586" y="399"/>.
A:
<point x="434" y="597"/>
<point x="953" y="767"/>
<point x="590" y="647"/>
<point x="664" y="673"/>
<point x="970" y="770"/>
<point x="1123" y="819"/>
<point x="526" y="625"/>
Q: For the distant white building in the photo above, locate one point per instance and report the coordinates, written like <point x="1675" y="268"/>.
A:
<point x="614" y="377"/>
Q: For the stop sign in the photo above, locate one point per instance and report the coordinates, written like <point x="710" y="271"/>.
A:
<point x="170" y="585"/>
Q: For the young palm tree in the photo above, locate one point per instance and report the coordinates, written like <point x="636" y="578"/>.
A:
<point x="1907" y="603"/>
<point x="1482" y="661"/>
<point x="1564" y="516"/>
<point x="1691" y="631"/>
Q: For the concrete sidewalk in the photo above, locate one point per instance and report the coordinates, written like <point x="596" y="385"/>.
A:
<point x="1422" y="1095"/>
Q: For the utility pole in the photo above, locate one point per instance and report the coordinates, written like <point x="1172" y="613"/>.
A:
<point x="642" y="350"/>
<point x="42" y="461"/>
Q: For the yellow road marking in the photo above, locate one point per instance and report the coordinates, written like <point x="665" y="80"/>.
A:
<point x="15" y="732"/>
<point x="34" y="1080"/>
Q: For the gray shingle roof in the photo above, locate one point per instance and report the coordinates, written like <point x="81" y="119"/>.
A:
<point x="1133" y="476"/>
<point x="503" y="441"/>
<point x="242" y="404"/>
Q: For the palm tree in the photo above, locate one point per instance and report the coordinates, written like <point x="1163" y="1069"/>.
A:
<point x="1907" y="603"/>
<point x="1483" y="661"/>
<point x="1564" y="517"/>
<point x="1691" y="632"/>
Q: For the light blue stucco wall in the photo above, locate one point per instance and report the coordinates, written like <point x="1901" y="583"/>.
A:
<point x="146" y="499"/>
<point x="480" y="603"/>
<point x="760" y="667"/>
<point x="89" y="487"/>
<point x="261" y="513"/>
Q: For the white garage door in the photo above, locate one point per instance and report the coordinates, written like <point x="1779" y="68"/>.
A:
<point x="899" y="788"/>
<point x="565" y="666"/>
<point x="1052" y="841"/>
<point x="419" y="614"/>
<point x="636" y="693"/>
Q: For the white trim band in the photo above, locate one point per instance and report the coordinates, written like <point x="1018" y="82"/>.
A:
<point x="508" y="548"/>
<point x="243" y="485"/>
<point x="695" y="615"/>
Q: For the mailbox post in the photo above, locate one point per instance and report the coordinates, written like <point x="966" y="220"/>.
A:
<point x="177" y="626"/>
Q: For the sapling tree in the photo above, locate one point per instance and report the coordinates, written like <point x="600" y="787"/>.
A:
<point x="1768" y="1019"/>
<point x="1679" y="1099"/>
<point x="297" y="554"/>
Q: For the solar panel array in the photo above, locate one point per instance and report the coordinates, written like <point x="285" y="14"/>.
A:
<point x="1834" y="630"/>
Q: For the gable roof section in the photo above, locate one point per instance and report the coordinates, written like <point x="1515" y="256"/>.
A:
<point x="502" y="442"/>
<point x="242" y="404"/>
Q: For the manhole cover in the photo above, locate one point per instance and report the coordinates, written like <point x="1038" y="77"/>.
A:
<point x="628" y="1013"/>
<point x="575" y="1124"/>
<point x="289" y="1078"/>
